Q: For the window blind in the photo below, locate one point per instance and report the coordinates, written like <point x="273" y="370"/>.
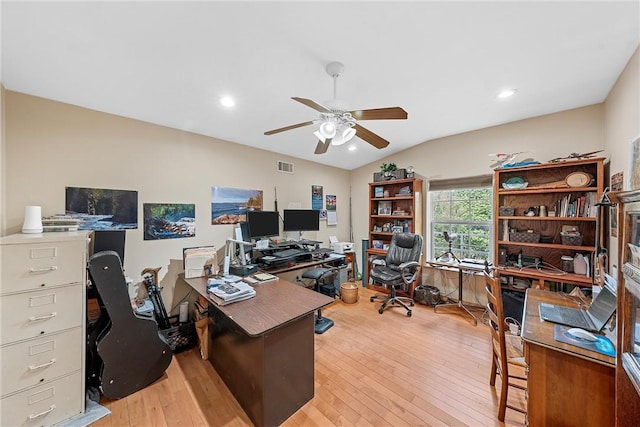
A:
<point x="459" y="183"/>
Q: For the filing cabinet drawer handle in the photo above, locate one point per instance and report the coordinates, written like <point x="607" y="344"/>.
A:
<point x="47" y="316"/>
<point x="34" y="367"/>
<point x="43" y="269"/>
<point x="34" y="416"/>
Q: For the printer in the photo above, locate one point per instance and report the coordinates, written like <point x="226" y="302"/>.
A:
<point x="340" y="247"/>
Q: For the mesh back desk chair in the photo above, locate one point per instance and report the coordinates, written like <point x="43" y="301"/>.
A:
<point x="401" y="269"/>
<point x="505" y="354"/>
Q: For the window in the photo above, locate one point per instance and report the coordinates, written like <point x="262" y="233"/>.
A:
<point x="466" y="212"/>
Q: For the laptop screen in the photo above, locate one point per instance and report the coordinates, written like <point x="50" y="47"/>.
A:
<point x="602" y="307"/>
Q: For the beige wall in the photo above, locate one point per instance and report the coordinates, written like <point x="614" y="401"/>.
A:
<point x="622" y="126"/>
<point x="2" y="158"/>
<point x="467" y="154"/>
<point x="51" y="145"/>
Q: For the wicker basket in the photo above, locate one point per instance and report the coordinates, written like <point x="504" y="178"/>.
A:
<point x="524" y="237"/>
<point x="349" y="293"/>
<point x="571" y="239"/>
<point x="506" y="211"/>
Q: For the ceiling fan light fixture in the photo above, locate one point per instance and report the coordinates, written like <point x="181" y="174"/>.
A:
<point x="344" y="136"/>
<point x="327" y="129"/>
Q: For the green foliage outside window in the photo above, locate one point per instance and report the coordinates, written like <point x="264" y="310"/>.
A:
<point x="467" y="213"/>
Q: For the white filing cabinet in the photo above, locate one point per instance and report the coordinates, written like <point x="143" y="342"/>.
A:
<point x="42" y="327"/>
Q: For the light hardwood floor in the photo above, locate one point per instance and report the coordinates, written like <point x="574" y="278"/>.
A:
<point x="375" y="370"/>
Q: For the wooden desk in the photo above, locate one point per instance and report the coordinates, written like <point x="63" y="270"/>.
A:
<point x="567" y="385"/>
<point x="263" y="348"/>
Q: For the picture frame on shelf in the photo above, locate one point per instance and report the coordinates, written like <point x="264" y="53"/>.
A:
<point x="377" y="244"/>
<point x="384" y="208"/>
<point x="397" y="229"/>
<point x="378" y="191"/>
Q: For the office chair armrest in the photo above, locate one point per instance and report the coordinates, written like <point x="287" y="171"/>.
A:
<point x="408" y="264"/>
<point x="406" y="267"/>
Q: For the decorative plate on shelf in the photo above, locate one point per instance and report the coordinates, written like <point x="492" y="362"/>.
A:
<point x="514" y="183"/>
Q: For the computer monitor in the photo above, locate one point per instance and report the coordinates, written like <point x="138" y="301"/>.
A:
<point x="109" y="240"/>
<point x="301" y="220"/>
<point x="263" y="224"/>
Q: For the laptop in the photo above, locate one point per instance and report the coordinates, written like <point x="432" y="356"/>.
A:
<point x="593" y="319"/>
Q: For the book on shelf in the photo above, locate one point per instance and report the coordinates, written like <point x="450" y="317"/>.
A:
<point x="265" y="277"/>
<point x="228" y="293"/>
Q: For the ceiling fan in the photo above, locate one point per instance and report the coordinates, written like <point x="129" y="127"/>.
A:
<point x="337" y="124"/>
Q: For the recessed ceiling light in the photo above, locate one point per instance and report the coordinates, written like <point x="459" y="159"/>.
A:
<point x="227" y="101"/>
<point x="507" y="93"/>
<point x="352" y="147"/>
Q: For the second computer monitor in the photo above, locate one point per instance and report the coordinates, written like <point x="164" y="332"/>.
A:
<point x="301" y="220"/>
<point x="263" y="224"/>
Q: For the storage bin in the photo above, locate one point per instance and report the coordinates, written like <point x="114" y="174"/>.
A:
<point x="571" y="239"/>
<point x="524" y="237"/>
<point x="506" y="211"/>
<point x="181" y="336"/>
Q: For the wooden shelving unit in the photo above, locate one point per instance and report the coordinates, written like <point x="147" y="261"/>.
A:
<point x="546" y="186"/>
<point x="628" y="314"/>
<point x="392" y="203"/>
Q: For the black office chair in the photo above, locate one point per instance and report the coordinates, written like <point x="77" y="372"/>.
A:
<point x="320" y="276"/>
<point x="400" y="270"/>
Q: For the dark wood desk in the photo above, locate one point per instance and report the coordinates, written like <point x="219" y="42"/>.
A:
<point x="263" y="348"/>
<point x="567" y="385"/>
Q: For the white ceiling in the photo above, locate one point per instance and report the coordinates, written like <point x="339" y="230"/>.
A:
<point x="443" y="62"/>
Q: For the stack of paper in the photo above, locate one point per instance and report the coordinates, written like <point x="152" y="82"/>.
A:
<point x="264" y="277"/>
<point x="230" y="292"/>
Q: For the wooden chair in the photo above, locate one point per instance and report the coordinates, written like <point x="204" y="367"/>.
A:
<point x="505" y="353"/>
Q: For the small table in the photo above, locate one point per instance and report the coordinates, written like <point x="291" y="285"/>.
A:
<point x="567" y="385"/>
<point x="263" y="347"/>
<point x="461" y="267"/>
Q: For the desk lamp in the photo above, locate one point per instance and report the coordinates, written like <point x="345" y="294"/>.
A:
<point x="243" y="269"/>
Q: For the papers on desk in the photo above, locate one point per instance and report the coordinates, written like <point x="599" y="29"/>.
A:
<point x="264" y="277"/>
<point x="228" y="293"/>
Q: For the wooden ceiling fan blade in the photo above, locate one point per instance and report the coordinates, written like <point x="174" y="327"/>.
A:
<point x="389" y="113"/>
<point x="313" y="104"/>
<point x="286" y="128"/>
<point x="370" y="137"/>
<point x="322" y="147"/>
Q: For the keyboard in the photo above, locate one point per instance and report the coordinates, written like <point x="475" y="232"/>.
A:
<point x="572" y="317"/>
<point x="288" y="253"/>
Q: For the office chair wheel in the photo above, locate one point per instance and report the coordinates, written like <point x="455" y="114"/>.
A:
<point x="409" y="313"/>
<point x="372" y="299"/>
<point x="381" y="310"/>
<point x="412" y="303"/>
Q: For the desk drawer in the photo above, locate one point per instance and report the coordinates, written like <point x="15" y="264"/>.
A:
<point x="39" y="360"/>
<point x="46" y="404"/>
<point x="35" y="266"/>
<point x="32" y="314"/>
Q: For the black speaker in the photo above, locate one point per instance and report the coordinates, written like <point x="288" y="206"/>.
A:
<point x="502" y="256"/>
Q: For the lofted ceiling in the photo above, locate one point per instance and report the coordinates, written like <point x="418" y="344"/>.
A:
<point x="170" y="63"/>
